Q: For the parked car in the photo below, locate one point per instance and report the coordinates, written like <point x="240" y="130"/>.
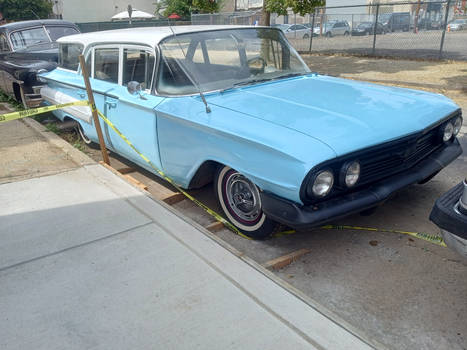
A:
<point x="333" y="28"/>
<point x="450" y="215"/>
<point x="26" y="48"/>
<point x="395" y="21"/>
<point x="457" y="24"/>
<point x="237" y="106"/>
<point x="293" y="31"/>
<point x="367" y="28"/>
<point x="428" y="24"/>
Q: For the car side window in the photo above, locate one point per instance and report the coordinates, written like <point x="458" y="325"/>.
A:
<point x="4" y="47"/>
<point x="106" y="64"/>
<point x="138" y="65"/>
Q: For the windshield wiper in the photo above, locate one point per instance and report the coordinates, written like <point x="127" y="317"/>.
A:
<point x="290" y="75"/>
<point x="246" y="82"/>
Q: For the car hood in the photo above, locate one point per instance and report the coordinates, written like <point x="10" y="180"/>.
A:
<point x="344" y="114"/>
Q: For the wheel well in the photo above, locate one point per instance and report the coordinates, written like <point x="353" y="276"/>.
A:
<point x="17" y="92"/>
<point x="204" y="174"/>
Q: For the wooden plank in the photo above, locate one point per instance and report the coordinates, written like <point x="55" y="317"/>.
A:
<point x="173" y="198"/>
<point x="126" y="170"/>
<point x="157" y="190"/>
<point x="215" y="226"/>
<point x="136" y="182"/>
<point x="115" y="171"/>
<point x="285" y="260"/>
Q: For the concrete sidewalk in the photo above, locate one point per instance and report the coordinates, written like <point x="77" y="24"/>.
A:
<point x="89" y="261"/>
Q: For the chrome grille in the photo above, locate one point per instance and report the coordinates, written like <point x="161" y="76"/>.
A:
<point x="397" y="156"/>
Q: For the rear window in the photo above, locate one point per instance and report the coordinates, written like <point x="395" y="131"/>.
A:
<point x="56" y="32"/>
<point x="68" y="56"/>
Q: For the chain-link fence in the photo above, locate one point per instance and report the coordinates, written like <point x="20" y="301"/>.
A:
<point x="236" y="18"/>
<point x="435" y="29"/>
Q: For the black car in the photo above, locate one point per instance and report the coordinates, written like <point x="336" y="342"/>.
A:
<point x="367" y="28"/>
<point x="428" y="24"/>
<point x="26" y="48"/>
<point x="395" y="21"/>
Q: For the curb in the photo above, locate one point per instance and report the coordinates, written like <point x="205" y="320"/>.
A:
<point x="75" y="155"/>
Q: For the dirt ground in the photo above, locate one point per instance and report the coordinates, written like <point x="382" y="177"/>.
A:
<point x="448" y="77"/>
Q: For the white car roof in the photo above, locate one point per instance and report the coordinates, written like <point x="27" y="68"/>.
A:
<point x="150" y="36"/>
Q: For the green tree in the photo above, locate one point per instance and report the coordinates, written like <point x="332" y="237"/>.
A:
<point x="184" y="8"/>
<point x="17" y="10"/>
<point x="281" y="7"/>
<point x="180" y="7"/>
<point x="206" y="6"/>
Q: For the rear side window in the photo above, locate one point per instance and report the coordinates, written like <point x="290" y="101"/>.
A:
<point x="56" y="32"/>
<point x="68" y="56"/>
<point x="4" y="47"/>
<point x="106" y="64"/>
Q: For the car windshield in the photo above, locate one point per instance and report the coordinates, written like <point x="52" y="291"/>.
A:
<point x="459" y="21"/>
<point x="224" y="59"/>
<point x="27" y="37"/>
<point x="365" y="25"/>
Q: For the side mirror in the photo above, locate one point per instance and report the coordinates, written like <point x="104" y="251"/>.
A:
<point x="134" y="87"/>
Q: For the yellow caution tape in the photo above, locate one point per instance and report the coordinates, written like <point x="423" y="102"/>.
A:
<point x="435" y="239"/>
<point x="33" y="111"/>
<point x="30" y="112"/>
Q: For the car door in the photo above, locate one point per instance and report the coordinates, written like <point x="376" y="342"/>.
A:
<point x="131" y="111"/>
<point x="292" y="31"/>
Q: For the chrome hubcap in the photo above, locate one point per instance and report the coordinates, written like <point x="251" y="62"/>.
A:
<point x="243" y="197"/>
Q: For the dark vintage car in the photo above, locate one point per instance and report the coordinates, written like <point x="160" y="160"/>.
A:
<point x="450" y="215"/>
<point x="367" y="28"/>
<point x="26" y="48"/>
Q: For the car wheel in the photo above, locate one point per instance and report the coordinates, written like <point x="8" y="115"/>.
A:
<point x="85" y="139"/>
<point x="241" y="203"/>
<point x="306" y="36"/>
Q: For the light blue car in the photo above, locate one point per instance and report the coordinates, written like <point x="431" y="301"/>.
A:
<point x="237" y="106"/>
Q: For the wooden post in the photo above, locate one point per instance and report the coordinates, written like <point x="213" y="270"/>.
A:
<point x="95" y="117"/>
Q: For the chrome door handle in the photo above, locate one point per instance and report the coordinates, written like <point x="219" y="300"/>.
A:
<point x="111" y="104"/>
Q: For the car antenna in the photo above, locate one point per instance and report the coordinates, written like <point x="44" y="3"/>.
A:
<point x="195" y="83"/>
<point x="35" y="14"/>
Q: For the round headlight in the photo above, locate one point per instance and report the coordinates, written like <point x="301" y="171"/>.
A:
<point x="457" y="125"/>
<point x="323" y="183"/>
<point x="447" y="131"/>
<point x="351" y="173"/>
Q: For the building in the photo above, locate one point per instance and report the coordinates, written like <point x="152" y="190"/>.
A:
<point x="97" y="11"/>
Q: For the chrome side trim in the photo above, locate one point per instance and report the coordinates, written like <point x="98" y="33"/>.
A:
<point x="56" y="97"/>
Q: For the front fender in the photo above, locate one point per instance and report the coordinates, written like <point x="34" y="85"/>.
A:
<point x="275" y="158"/>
